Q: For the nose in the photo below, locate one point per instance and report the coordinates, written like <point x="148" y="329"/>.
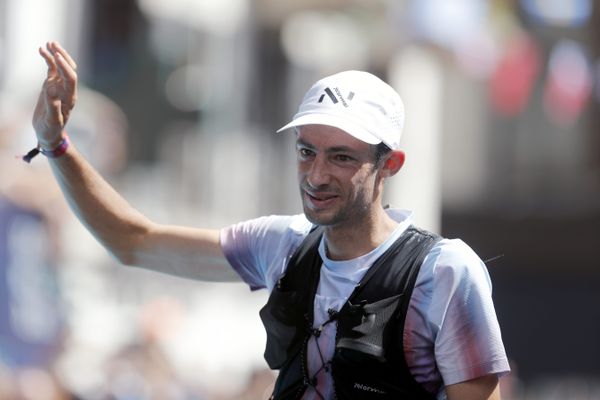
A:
<point x="318" y="173"/>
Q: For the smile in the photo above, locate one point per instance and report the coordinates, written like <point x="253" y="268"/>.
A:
<point x="319" y="200"/>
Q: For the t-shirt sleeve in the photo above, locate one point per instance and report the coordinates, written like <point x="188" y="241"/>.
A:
<point x="461" y="315"/>
<point x="258" y="249"/>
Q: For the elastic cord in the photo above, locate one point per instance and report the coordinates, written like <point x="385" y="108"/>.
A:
<point x="54" y="153"/>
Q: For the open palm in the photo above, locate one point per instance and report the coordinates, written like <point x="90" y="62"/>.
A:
<point x="58" y="95"/>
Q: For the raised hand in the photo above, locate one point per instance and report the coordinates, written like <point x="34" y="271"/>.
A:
<point x="58" y="96"/>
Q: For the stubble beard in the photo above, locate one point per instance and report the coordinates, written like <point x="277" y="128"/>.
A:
<point x="351" y="212"/>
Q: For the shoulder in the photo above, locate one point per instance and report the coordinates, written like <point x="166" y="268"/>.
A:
<point x="453" y="314"/>
<point x="453" y="261"/>
<point x="265" y="230"/>
<point x="262" y="246"/>
<point x="452" y="280"/>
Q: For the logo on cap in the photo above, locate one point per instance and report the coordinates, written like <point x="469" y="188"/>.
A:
<point x="334" y="99"/>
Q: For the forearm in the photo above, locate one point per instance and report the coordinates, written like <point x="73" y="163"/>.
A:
<point x="108" y="216"/>
<point x="131" y="237"/>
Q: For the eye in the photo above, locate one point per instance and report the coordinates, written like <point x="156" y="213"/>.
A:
<point x="343" y="158"/>
<point x="304" y="152"/>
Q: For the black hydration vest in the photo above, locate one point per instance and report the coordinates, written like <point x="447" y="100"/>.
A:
<point x="368" y="362"/>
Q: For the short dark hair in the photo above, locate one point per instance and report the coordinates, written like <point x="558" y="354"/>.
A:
<point x="380" y="150"/>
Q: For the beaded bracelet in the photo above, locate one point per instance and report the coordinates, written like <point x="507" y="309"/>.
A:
<point x="54" y="153"/>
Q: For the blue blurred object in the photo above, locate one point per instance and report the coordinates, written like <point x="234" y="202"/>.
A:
<point x="447" y="23"/>
<point x="570" y="13"/>
<point x="30" y="318"/>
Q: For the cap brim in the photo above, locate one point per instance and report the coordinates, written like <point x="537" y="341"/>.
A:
<point x="330" y="120"/>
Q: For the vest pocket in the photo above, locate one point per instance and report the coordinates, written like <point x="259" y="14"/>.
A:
<point x="281" y="316"/>
<point x="359" y="377"/>
<point x="360" y="367"/>
<point x="363" y="327"/>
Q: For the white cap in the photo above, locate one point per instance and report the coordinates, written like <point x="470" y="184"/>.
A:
<point x="356" y="102"/>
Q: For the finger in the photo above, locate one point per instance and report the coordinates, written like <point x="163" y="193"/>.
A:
<point x="69" y="78"/>
<point x="58" y="48"/>
<point x="49" y="61"/>
<point x="66" y="71"/>
<point x="50" y="49"/>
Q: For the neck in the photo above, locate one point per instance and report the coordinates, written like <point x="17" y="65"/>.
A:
<point x="360" y="237"/>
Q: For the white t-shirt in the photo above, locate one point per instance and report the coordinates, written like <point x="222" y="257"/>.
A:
<point x="451" y="331"/>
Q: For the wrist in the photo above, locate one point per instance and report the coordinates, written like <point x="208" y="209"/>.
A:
<point x="55" y="151"/>
<point x="52" y="143"/>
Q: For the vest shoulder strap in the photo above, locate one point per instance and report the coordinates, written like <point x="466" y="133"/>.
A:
<point x="396" y="270"/>
<point x="307" y="254"/>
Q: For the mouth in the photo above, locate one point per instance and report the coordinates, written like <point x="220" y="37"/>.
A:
<point x="317" y="200"/>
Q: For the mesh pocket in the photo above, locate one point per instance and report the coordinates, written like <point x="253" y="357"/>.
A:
<point x="364" y="327"/>
<point x="281" y="317"/>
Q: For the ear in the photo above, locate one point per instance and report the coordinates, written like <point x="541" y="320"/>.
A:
<point x="393" y="163"/>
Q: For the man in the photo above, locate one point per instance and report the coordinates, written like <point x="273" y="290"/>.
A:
<point x="362" y="305"/>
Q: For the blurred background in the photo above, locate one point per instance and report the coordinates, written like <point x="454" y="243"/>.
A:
<point x="179" y="101"/>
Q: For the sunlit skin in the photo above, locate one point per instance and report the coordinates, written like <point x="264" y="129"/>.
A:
<point x="58" y="95"/>
<point x="341" y="189"/>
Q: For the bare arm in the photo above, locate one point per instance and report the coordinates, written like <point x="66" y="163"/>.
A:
<point x="483" y="388"/>
<point x="131" y="237"/>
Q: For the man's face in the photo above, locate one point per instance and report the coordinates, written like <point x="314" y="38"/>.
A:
<point x="337" y="175"/>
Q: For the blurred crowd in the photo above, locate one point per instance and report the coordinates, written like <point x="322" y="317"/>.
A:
<point x="56" y="283"/>
<point x="163" y="100"/>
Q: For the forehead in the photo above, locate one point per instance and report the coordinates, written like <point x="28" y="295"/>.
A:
<point x="328" y="136"/>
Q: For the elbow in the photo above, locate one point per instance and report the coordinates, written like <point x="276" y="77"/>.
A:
<point x="129" y="253"/>
<point x="127" y="249"/>
<point x="126" y="258"/>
